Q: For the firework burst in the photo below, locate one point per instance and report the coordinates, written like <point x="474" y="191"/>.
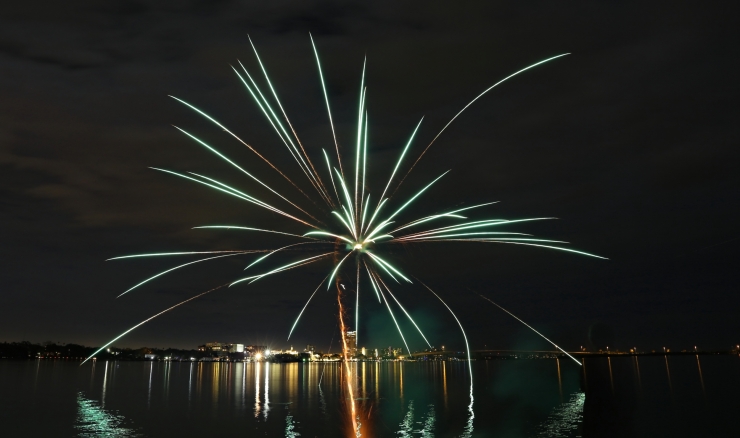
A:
<point x="356" y="226"/>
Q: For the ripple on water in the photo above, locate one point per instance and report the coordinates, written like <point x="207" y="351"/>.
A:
<point x="94" y="421"/>
<point x="564" y="419"/>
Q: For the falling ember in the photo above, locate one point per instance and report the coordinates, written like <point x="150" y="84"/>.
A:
<point x="532" y="328"/>
<point x="348" y="379"/>
<point x="340" y="221"/>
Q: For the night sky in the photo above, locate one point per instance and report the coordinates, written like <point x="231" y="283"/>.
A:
<point x="631" y="141"/>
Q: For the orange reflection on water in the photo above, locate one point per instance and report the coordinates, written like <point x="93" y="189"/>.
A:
<point x="215" y="368"/>
<point x="377" y="378"/>
<point x="400" y="366"/>
<point x="560" y="380"/>
<point x="229" y="370"/>
<point x="637" y="371"/>
<point x="199" y="379"/>
<point x="349" y="382"/>
<point x="701" y="376"/>
<point x="444" y="380"/>
<point x="668" y="371"/>
<point x="364" y="387"/>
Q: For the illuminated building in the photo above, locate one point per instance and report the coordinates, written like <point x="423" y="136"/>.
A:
<point x="223" y="351"/>
<point x="391" y="352"/>
<point x="351" y="338"/>
<point x="211" y="347"/>
<point x="236" y="348"/>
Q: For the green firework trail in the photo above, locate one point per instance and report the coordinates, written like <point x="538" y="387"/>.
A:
<point x="342" y="228"/>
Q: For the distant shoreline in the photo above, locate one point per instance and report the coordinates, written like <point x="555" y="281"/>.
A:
<point x="29" y="351"/>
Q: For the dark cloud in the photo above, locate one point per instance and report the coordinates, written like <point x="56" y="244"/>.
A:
<point x="323" y="19"/>
<point x="630" y="141"/>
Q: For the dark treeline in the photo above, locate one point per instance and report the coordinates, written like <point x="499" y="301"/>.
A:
<point x="51" y="350"/>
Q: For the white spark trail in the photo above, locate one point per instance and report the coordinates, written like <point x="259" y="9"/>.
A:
<point x="531" y="328"/>
<point x="236" y="227"/>
<point x="242" y="142"/>
<point x="172" y="269"/>
<point x="471" y="102"/>
<point x="241" y="196"/>
<point x="281" y="269"/>
<point x="312" y="170"/>
<point x="147" y="320"/>
<point x="162" y="254"/>
<point x="328" y="109"/>
<point x="304" y="307"/>
<point x="241" y="169"/>
<point x="394" y="321"/>
<point x="404" y="311"/>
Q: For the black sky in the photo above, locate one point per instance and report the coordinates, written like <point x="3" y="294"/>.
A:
<point x="631" y="141"/>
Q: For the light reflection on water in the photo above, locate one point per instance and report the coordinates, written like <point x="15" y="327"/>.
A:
<point x="410" y="428"/>
<point x="226" y="385"/>
<point x="512" y="398"/>
<point x="266" y="407"/>
<point x="149" y="393"/>
<point x="565" y="418"/>
<point x="94" y="421"/>
<point x="105" y="384"/>
<point x="290" y="427"/>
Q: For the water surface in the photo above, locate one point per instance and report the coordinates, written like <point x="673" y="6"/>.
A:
<point x="650" y="396"/>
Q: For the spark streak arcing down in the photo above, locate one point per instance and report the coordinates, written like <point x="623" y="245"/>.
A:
<point x="532" y="328"/>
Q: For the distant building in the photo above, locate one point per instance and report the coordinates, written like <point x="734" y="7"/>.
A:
<point x="351" y="339"/>
<point x="391" y="352"/>
<point x="236" y="348"/>
<point x="310" y="349"/>
<point x="210" y="347"/>
<point x="223" y="351"/>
